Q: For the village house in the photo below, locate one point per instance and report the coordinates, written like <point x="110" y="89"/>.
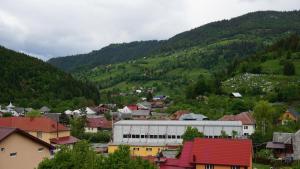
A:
<point x="41" y="127"/>
<point x="247" y="120"/>
<point x="289" y="116"/>
<point x="93" y="125"/>
<point x="148" y="137"/>
<point x="19" y="149"/>
<point x="203" y="153"/>
<point x="285" y="145"/>
<point x="45" y="109"/>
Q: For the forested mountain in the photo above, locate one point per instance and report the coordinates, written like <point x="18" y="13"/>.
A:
<point x="27" y="81"/>
<point x="113" y="53"/>
<point x="234" y="38"/>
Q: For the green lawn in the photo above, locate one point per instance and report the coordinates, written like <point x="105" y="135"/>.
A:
<point x="261" y="166"/>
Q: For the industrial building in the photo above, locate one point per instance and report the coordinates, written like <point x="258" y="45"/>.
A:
<point x="158" y="134"/>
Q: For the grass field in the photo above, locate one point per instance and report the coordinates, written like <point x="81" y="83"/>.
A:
<point x="260" y="166"/>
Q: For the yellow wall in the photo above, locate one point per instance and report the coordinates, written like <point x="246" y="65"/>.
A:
<point x="47" y="136"/>
<point x="201" y="166"/>
<point x="141" y="150"/>
<point x="28" y="156"/>
<point x="288" y="116"/>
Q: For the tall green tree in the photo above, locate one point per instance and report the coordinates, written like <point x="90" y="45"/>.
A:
<point x="34" y="113"/>
<point x="264" y="115"/>
<point x="191" y="133"/>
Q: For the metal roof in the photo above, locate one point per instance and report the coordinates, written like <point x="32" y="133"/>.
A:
<point x="178" y="123"/>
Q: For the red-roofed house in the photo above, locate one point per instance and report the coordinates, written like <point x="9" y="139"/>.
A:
<point x="247" y="120"/>
<point x="205" y="153"/>
<point x="41" y="127"/>
<point x="133" y="107"/>
<point x="183" y="162"/>
<point x="96" y="124"/>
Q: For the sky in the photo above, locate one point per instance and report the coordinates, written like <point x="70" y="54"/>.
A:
<point x="52" y="28"/>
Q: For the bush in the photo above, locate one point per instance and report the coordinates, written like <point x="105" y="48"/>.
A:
<point x="99" y="137"/>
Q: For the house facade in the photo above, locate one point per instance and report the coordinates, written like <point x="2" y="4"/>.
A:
<point x="204" y="153"/>
<point x="93" y="125"/>
<point x="156" y="135"/>
<point x="18" y="149"/>
<point x="41" y="127"/>
<point x="247" y="120"/>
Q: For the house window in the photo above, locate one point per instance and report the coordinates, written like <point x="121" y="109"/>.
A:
<point x="155" y="136"/>
<point x="245" y="127"/>
<point x="209" y="166"/>
<point x="39" y="134"/>
<point x="40" y="149"/>
<point x="14" y="154"/>
<point x="125" y="136"/>
<point x="136" y="149"/>
<point x="169" y="136"/>
<point x="142" y="136"/>
<point x="173" y="136"/>
<point x="246" y="134"/>
<point x="148" y="149"/>
<point x="2" y="149"/>
<point x="235" y="167"/>
<point x="178" y="137"/>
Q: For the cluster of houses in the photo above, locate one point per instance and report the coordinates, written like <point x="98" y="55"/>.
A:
<point x="21" y="111"/>
<point x="149" y="134"/>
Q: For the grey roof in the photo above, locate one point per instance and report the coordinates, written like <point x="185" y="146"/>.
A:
<point x="141" y="113"/>
<point x="20" y="110"/>
<point x="192" y="116"/>
<point x="275" y="145"/>
<point x="178" y="122"/>
<point x="279" y="137"/>
<point x="45" y="109"/>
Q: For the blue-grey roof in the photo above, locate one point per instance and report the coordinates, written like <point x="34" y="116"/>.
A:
<point x="193" y="116"/>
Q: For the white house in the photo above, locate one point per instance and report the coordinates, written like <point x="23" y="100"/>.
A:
<point x="247" y="120"/>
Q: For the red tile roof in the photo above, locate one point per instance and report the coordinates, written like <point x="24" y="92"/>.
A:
<point x="100" y="122"/>
<point x="133" y="107"/>
<point x="222" y="151"/>
<point x="64" y="140"/>
<point x="183" y="161"/>
<point x="7" y="131"/>
<point x="43" y="124"/>
<point x="245" y="117"/>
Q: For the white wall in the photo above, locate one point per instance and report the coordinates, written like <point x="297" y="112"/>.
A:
<point x="248" y="131"/>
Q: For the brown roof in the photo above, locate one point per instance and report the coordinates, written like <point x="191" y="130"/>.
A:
<point x="245" y="117"/>
<point x="43" y="124"/>
<point x="178" y="114"/>
<point x="64" y="140"/>
<point x="7" y="131"/>
<point x="100" y="122"/>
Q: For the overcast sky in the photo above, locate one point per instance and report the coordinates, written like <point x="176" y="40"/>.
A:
<point x="50" y="28"/>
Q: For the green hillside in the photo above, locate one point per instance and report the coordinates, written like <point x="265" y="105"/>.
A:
<point x="111" y="54"/>
<point x="30" y="82"/>
<point x="229" y="39"/>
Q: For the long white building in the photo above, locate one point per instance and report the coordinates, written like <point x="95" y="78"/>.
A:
<point x="168" y="131"/>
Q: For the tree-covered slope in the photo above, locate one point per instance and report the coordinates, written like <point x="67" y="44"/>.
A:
<point x="257" y="24"/>
<point x="249" y="33"/>
<point x="27" y="81"/>
<point x="113" y="53"/>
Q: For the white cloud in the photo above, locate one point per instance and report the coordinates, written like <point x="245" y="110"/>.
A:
<point x="62" y="27"/>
